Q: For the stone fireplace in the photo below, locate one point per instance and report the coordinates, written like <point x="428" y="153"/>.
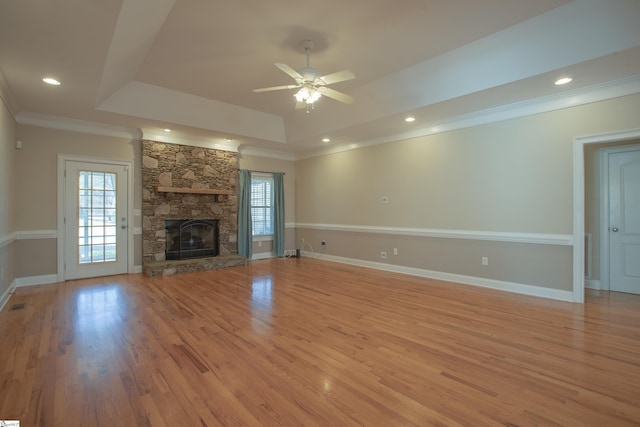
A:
<point x="192" y="187"/>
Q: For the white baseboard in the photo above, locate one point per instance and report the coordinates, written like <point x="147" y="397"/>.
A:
<point x="7" y="294"/>
<point x="36" y="280"/>
<point x="536" y="291"/>
<point x="593" y="284"/>
<point x="137" y="269"/>
<point x="262" y="255"/>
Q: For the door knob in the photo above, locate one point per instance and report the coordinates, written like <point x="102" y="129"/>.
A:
<point x="614" y="229"/>
<point x="124" y="227"/>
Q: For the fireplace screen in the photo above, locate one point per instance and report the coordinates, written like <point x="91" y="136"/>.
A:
<point x="191" y="239"/>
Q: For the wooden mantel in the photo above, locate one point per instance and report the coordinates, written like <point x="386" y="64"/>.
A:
<point x="194" y="190"/>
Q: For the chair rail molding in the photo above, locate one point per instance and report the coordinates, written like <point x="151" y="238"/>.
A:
<point x="495" y="236"/>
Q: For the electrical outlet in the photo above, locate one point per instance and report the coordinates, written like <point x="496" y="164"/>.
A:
<point x="383" y="255"/>
<point x="485" y="260"/>
<point x="395" y="251"/>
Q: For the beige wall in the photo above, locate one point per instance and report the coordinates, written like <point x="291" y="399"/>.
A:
<point x="36" y="170"/>
<point x="7" y="226"/>
<point x="36" y="192"/>
<point x="513" y="176"/>
<point x="265" y="164"/>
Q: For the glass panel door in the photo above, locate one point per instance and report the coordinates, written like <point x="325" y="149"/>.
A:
<point x="96" y="219"/>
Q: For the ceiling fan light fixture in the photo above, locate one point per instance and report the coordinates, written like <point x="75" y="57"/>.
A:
<point x="308" y="95"/>
<point x="311" y="84"/>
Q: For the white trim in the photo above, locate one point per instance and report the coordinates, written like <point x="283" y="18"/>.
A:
<point x="75" y="125"/>
<point x="36" y="234"/>
<point x="4" y="299"/>
<point x="262" y="255"/>
<point x="36" y="280"/>
<point x="62" y="159"/>
<point x="596" y="93"/>
<point x="6" y="94"/>
<point x="494" y="236"/>
<point x="600" y="92"/>
<point x="578" y="200"/>
<point x="28" y="235"/>
<point x="6" y="239"/>
<point x="257" y="152"/>
<point x="137" y="231"/>
<point x="594" y="284"/>
<point x="536" y="291"/>
<point x="137" y="212"/>
<point x="137" y="269"/>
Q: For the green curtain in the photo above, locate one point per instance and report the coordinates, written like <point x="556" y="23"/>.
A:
<point x="278" y="214"/>
<point x="245" y="232"/>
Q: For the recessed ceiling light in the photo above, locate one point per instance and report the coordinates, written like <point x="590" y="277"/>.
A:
<point x="563" y="81"/>
<point x="51" y="81"/>
<point x="410" y="119"/>
<point x="167" y="130"/>
<point x="326" y="140"/>
<point x="228" y="139"/>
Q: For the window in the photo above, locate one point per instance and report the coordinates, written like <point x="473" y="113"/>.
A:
<point x="97" y="217"/>
<point x="262" y="204"/>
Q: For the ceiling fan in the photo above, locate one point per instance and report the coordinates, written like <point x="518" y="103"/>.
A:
<point x="311" y="83"/>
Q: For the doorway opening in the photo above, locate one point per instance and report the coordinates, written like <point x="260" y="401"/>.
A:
<point x="579" y="206"/>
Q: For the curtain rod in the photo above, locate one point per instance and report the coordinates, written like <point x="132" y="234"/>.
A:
<point x="264" y="171"/>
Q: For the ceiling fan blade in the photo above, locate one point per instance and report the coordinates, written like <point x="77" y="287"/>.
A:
<point x="293" y="73"/>
<point x="340" y="76"/>
<point x="269" y="89"/>
<point x="334" y="94"/>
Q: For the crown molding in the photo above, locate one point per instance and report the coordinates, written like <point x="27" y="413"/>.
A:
<point x="257" y="152"/>
<point x="596" y="93"/>
<point x="74" y="125"/>
<point x="7" y="95"/>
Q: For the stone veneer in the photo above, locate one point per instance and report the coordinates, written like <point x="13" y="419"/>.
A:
<point x="180" y="166"/>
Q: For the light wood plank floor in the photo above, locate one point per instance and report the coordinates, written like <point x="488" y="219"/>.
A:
<point x="291" y="342"/>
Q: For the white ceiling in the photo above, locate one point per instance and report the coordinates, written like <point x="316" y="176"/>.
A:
<point x="135" y="67"/>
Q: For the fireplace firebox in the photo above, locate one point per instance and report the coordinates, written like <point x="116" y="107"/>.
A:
<point x="191" y="238"/>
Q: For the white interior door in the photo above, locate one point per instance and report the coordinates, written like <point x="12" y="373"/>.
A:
<point x="624" y="221"/>
<point x="95" y="219"/>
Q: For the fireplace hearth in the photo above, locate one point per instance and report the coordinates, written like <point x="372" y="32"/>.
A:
<point x="186" y="239"/>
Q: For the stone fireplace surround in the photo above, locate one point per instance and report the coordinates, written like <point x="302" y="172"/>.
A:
<point x="185" y="175"/>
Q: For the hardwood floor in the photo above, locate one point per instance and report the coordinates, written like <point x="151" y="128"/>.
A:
<point x="290" y="342"/>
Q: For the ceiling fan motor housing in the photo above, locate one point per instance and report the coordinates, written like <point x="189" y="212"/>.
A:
<point x="309" y="75"/>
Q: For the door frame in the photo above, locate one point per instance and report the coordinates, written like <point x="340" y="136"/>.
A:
<point x="605" y="271"/>
<point x="62" y="197"/>
<point x="579" y="202"/>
